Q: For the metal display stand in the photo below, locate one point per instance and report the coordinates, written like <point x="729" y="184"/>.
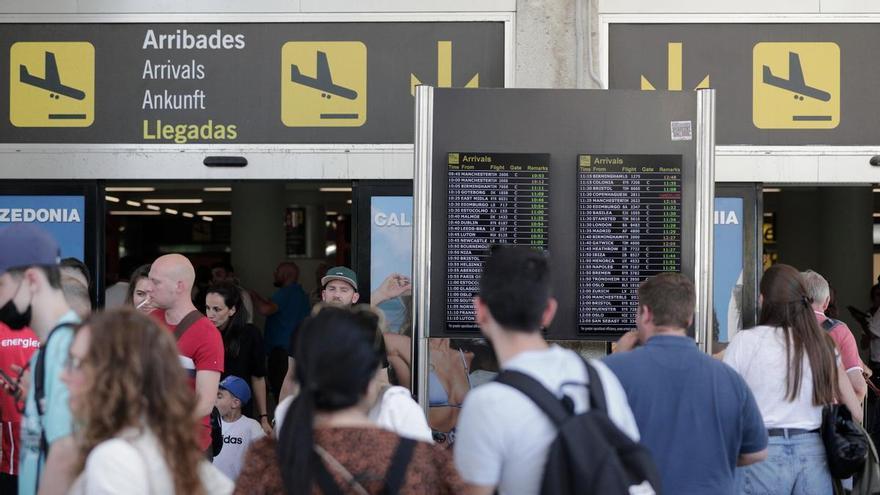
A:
<point x="563" y="124"/>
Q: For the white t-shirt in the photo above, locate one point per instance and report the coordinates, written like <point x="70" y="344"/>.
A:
<point x="133" y="463"/>
<point x="759" y="356"/>
<point x="397" y="412"/>
<point x="237" y="437"/>
<point x="502" y="437"/>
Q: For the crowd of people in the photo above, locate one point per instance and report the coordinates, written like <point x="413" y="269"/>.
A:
<point x="174" y="389"/>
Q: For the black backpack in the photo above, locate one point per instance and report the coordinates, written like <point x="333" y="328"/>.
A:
<point x="590" y="455"/>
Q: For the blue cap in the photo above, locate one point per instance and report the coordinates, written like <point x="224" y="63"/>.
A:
<point x="237" y="387"/>
<point x="24" y="245"/>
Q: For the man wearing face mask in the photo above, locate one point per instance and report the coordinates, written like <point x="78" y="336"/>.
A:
<point x="31" y="295"/>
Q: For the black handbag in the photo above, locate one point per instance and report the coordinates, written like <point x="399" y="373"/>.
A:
<point x="846" y="444"/>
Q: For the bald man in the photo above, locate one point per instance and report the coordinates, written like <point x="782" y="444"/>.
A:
<point x="200" y="344"/>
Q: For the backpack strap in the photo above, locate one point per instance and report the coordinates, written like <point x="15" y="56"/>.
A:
<point x="829" y="324"/>
<point x="399" y="462"/>
<point x="187" y="321"/>
<point x="324" y="479"/>
<point x="597" y="392"/>
<point x="40" y="390"/>
<point x="537" y="393"/>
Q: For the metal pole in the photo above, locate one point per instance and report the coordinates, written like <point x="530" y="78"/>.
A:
<point x="705" y="211"/>
<point x="424" y="124"/>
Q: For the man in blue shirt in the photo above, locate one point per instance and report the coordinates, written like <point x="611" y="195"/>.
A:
<point x="288" y="306"/>
<point x="31" y="295"/>
<point x="696" y="415"/>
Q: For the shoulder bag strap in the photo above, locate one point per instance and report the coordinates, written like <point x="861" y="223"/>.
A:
<point x="399" y="463"/>
<point x="187" y="321"/>
<point x="537" y="393"/>
<point x="597" y="392"/>
<point x="40" y="392"/>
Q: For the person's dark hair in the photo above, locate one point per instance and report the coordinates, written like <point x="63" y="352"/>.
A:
<point x="79" y="266"/>
<point x="515" y="284"/>
<point x="52" y="273"/>
<point x="234" y="328"/>
<point x="671" y="298"/>
<point x="137" y="275"/>
<point x="787" y="305"/>
<point x="225" y="265"/>
<point x="335" y="361"/>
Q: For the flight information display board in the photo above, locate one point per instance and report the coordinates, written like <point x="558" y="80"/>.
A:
<point x="629" y="228"/>
<point x="492" y="198"/>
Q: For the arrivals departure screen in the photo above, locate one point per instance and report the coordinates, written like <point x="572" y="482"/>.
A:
<point x="628" y="229"/>
<point x="492" y="198"/>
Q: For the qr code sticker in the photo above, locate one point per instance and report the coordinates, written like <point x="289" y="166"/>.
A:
<point x="682" y="130"/>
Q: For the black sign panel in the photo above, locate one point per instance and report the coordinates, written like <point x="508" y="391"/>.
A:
<point x="234" y="83"/>
<point x="493" y="198"/>
<point x="638" y="129"/>
<point x="629" y="229"/>
<point x="778" y="83"/>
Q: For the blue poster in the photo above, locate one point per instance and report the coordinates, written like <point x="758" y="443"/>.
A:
<point x="391" y="237"/>
<point x="728" y="264"/>
<point x="62" y="216"/>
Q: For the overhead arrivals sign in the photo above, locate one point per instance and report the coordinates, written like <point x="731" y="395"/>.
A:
<point x="234" y="83"/>
<point x="777" y="84"/>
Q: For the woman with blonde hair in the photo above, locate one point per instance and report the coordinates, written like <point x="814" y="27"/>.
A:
<point x="134" y="409"/>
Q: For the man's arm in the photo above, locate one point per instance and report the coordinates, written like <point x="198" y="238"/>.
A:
<point x="860" y="387"/>
<point x="470" y="489"/>
<point x="206" y="391"/>
<point x="57" y="474"/>
<point x="264" y="306"/>
<point x="288" y="386"/>
<point x="746" y="459"/>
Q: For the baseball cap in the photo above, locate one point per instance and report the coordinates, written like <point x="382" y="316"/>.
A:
<point x="23" y="245"/>
<point x="341" y="273"/>
<point x="237" y="387"/>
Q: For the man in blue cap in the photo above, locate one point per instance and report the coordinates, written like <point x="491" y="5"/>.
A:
<point x="238" y="431"/>
<point x="31" y="295"/>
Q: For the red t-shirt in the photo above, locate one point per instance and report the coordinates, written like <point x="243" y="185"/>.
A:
<point x="201" y="349"/>
<point x="16" y="347"/>
<point x="846" y="344"/>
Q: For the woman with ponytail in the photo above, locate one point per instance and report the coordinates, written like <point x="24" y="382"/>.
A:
<point x="328" y="444"/>
<point x="791" y="367"/>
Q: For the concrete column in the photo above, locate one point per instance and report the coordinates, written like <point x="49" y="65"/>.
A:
<point x="257" y="233"/>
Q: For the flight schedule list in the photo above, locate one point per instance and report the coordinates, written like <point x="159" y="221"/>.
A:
<point x="629" y="228"/>
<point x="492" y="198"/>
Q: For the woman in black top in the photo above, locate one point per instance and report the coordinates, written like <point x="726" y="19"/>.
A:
<point x="245" y="356"/>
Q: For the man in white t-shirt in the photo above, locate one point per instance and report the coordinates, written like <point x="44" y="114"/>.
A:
<point x="502" y="437"/>
<point x="238" y="431"/>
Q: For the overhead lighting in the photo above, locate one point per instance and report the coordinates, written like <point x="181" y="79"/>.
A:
<point x="170" y="201"/>
<point x="877" y="189"/>
<point x="154" y="208"/>
<point x="215" y="213"/>
<point x="876" y="215"/>
<point x="332" y="213"/>
<point x="129" y="189"/>
<point x="208" y="219"/>
<point x="348" y="202"/>
<point x="134" y="213"/>
<point x="772" y="190"/>
<point x="217" y="189"/>
<point x="112" y="199"/>
<point x="335" y="189"/>
<point x="768" y="214"/>
<point x="187" y="214"/>
<point x="132" y="203"/>
<point x="171" y="211"/>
